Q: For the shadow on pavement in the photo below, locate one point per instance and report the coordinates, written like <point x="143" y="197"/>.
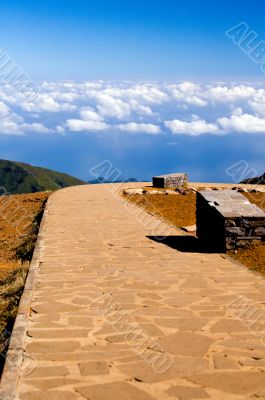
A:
<point x="186" y="244"/>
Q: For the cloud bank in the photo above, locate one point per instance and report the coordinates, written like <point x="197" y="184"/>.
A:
<point x="150" y="108"/>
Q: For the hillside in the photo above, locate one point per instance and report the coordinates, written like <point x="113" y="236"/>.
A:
<point x="17" y="241"/>
<point x="17" y="177"/>
<point x="260" y="180"/>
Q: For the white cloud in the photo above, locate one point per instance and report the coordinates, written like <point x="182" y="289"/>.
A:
<point x="242" y="123"/>
<point x="257" y="102"/>
<point x="9" y="127"/>
<point x="231" y="94"/>
<point x="45" y="103"/>
<point x="36" y="127"/>
<point x="90" y="121"/>
<point x="88" y="114"/>
<point x="188" y="87"/>
<point x="147" y="93"/>
<point x="196" y="101"/>
<point x="79" y="125"/>
<point x="59" y="129"/>
<point x="193" y="128"/>
<point x="258" y="107"/>
<point x="188" y="93"/>
<point x="4" y="110"/>
<point x="141" y="107"/>
<point x="134" y="127"/>
<point x="109" y="106"/>
<point x="12" y="124"/>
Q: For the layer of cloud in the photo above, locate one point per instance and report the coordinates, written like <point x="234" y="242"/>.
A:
<point x="133" y="127"/>
<point x="195" y="127"/>
<point x="150" y="108"/>
<point x="244" y="123"/>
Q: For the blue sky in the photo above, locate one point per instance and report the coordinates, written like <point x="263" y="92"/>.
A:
<point x="175" y="93"/>
<point x="117" y="39"/>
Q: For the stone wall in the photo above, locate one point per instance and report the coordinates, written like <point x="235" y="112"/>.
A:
<point x="179" y="181"/>
<point x="226" y="220"/>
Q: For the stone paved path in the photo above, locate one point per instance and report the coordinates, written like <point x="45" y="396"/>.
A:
<point x="117" y="315"/>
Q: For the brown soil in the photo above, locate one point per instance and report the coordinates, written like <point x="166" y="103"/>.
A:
<point x="253" y="256"/>
<point x="180" y="211"/>
<point x="19" y="221"/>
<point x="256" y="198"/>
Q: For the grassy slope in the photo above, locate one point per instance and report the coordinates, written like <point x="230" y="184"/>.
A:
<point x="18" y="177"/>
<point x="17" y="241"/>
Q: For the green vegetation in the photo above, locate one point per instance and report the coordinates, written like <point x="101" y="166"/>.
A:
<point x="16" y="177"/>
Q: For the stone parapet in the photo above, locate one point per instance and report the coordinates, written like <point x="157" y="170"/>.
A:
<point x="178" y="180"/>
<point x="227" y="220"/>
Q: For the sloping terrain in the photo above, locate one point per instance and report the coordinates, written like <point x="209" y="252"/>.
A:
<point x="259" y="180"/>
<point x="16" y="177"/>
<point x="20" y="216"/>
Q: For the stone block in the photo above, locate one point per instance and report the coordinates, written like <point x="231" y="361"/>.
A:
<point x="178" y="180"/>
<point x="226" y="220"/>
<point x="260" y="231"/>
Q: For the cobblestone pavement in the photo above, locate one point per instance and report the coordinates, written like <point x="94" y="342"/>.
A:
<point x="116" y="314"/>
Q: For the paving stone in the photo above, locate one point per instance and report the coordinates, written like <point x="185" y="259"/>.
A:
<point x="187" y="344"/>
<point x="94" y="368"/>
<point x="120" y="338"/>
<point x="178" y="300"/>
<point x="49" y="325"/>
<point x="188" y="324"/>
<point x="228" y="326"/>
<point x="181" y="366"/>
<point x="254" y="362"/>
<point x="232" y="382"/>
<point x="187" y="392"/>
<point x="46" y="384"/>
<point x="151" y="330"/>
<point x="221" y="361"/>
<point x="195" y="283"/>
<point x="51" y="308"/>
<point x="50" y="395"/>
<point x="52" y="347"/>
<point x="84" y="355"/>
<point x="43" y="372"/>
<point x="114" y="391"/>
<point x="58" y="333"/>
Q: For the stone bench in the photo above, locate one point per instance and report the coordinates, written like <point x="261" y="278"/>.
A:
<point x="227" y="220"/>
<point x="179" y="181"/>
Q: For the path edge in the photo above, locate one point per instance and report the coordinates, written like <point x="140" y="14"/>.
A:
<point x="14" y="359"/>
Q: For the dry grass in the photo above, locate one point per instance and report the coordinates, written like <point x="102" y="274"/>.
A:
<point x="10" y="293"/>
<point x="180" y="211"/>
<point x="254" y="255"/>
<point x="256" y="198"/>
<point x="20" y="216"/>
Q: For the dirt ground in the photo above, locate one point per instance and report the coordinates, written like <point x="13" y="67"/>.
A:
<point x="180" y="210"/>
<point x="253" y="256"/>
<point x="20" y="216"/>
